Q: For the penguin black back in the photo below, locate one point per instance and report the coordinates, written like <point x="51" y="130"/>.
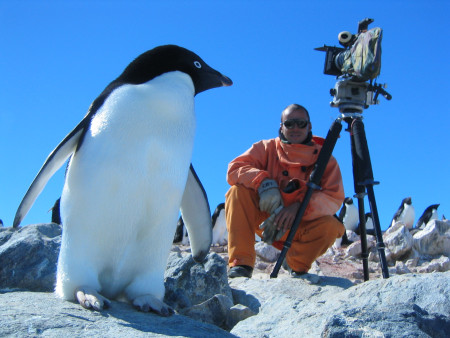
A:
<point x="426" y="216"/>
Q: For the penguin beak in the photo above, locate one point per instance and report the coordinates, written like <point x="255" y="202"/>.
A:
<point x="211" y="78"/>
<point x="226" y="81"/>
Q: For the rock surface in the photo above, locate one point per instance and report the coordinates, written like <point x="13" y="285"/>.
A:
<point x="31" y="314"/>
<point x="331" y="301"/>
<point x="401" y="306"/>
<point x="28" y="256"/>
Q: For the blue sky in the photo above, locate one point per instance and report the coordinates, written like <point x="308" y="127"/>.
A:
<point x="56" y="57"/>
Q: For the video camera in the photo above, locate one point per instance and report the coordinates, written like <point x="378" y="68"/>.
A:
<point x="361" y="56"/>
<point x="359" y="61"/>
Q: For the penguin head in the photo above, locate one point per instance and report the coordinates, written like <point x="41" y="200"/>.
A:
<point x="407" y="200"/>
<point x="348" y="200"/>
<point x="433" y="207"/>
<point x="168" y="58"/>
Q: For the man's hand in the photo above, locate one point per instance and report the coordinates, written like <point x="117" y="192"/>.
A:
<point x="280" y="221"/>
<point x="271" y="233"/>
<point x="269" y="196"/>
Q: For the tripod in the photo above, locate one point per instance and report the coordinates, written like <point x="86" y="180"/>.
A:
<point x="351" y="97"/>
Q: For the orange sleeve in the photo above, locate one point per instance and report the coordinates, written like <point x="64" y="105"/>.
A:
<point x="329" y="199"/>
<point x="250" y="168"/>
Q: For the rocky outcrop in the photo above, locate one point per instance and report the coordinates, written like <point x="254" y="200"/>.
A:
<point x="33" y="314"/>
<point x="417" y="251"/>
<point x="434" y="239"/>
<point x="28" y="256"/>
<point x="401" y="306"/>
<point x="322" y="303"/>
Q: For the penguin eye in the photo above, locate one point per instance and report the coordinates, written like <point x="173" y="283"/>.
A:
<point x="197" y="64"/>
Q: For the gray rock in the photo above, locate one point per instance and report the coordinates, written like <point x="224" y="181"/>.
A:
<point x="412" y="262"/>
<point x="189" y="283"/>
<point x="333" y="308"/>
<point x="243" y="298"/>
<point x="31" y="314"/>
<point x="314" y="305"/>
<point x="401" y="268"/>
<point x="352" y="236"/>
<point x="238" y="313"/>
<point x="214" y="311"/>
<point x="28" y="256"/>
<point x="400" y="321"/>
<point x="267" y="252"/>
<point x="398" y="240"/>
<point x="354" y="249"/>
<point x="434" y="239"/>
<point x="440" y="264"/>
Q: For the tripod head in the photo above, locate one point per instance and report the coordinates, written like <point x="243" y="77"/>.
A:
<point x="352" y="97"/>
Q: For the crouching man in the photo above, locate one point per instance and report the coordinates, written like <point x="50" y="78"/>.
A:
<point x="268" y="183"/>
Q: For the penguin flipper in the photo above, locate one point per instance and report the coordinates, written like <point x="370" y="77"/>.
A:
<point x="53" y="162"/>
<point x="196" y="216"/>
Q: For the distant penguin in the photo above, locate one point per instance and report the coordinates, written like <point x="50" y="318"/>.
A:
<point x="56" y="216"/>
<point x="344" y="240"/>
<point x="405" y="213"/>
<point x="1" y="223"/>
<point x="219" y="228"/>
<point x="219" y="223"/>
<point x="128" y="177"/>
<point x="181" y="235"/>
<point x="349" y="214"/>
<point x="369" y="225"/>
<point x="429" y="214"/>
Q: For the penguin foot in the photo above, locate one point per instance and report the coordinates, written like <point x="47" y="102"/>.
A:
<point x="91" y="299"/>
<point x="149" y="303"/>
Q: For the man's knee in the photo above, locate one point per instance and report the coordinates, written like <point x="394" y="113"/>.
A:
<point x="333" y="227"/>
<point x="241" y="195"/>
<point x="237" y="191"/>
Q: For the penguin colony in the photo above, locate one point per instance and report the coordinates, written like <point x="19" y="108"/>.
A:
<point x="405" y="213"/>
<point x="128" y="177"/>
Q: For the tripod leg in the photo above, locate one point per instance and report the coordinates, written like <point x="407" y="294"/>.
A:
<point x="365" y="173"/>
<point x="360" y="192"/>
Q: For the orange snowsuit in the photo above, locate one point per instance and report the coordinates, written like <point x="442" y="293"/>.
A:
<point x="284" y="163"/>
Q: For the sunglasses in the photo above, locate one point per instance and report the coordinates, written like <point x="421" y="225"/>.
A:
<point x="289" y="124"/>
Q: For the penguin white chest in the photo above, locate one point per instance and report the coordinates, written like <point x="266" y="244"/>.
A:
<point x="408" y="215"/>
<point x="153" y="116"/>
<point x="351" y="217"/>
<point x="133" y="163"/>
<point x="144" y="129"/>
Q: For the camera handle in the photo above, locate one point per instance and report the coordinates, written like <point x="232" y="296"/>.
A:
<point x="362" y="179"/>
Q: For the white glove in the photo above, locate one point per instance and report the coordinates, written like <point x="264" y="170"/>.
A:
<point x="271" y="233"/>
<point x="269" y="196"/>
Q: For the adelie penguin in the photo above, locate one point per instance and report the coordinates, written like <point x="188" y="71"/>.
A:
<point x="128" y="177"/>
<point x="405" y="213"/>
<point x="219" y="223"/>
<point x="348" y="215"/>
<point x="429" y="214"/>
<point x="219" y="228"/>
